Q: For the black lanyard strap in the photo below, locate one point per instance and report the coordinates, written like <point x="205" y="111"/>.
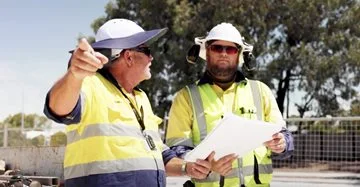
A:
<point x="107" y="75"/>
<point x="140" y="118"/>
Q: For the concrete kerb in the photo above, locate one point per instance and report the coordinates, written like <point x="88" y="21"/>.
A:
<point x="302" y="177"/>
<point x="318" y="177"/>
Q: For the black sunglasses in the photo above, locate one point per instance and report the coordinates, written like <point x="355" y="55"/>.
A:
<point x="230" y="50"/>
<point x="145" y="50"/>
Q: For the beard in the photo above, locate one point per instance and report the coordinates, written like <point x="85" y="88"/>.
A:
<point x="222" y="73"/>
<point x="219" y="71"/>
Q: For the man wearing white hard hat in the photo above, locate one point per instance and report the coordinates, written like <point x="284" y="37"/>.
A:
<point x="222" y="89"/>
<point x="112" y="132"/>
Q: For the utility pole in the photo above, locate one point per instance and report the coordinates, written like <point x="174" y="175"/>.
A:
<point x="22" y="110"/>
<point x="5" y="140"/>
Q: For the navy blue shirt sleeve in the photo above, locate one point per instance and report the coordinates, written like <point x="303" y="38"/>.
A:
<point x="289" y="149"/>
<point x="73" y="117"/>
<point x="167" y="155"/>
<point x="175" y="151"/>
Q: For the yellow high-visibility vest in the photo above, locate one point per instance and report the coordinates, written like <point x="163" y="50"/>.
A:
<point x="108" y="138"/>
<point x="244" y="106"/>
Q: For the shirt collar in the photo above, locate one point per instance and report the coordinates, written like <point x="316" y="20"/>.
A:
<point x="108" y="76"/>
<point x="207" y="79"/>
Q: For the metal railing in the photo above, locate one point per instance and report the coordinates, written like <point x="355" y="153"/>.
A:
<point x="324" y="144"/>
<point x="27" y="137"/>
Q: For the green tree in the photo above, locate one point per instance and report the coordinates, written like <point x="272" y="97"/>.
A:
<point x="33" y="121"/>
<point x="307" y="47"/>
<point x="355" y="107"/>
<point x="58" y="139"/>
<point x="38" y="140"/>
<point x="18" y="138"/>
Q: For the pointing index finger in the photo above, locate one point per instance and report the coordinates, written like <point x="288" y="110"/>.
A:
<point x="85" y="46"/>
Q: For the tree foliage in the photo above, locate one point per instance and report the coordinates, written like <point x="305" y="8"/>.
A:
<point x="355" y="107"/>
<point x="33" y="121"/>
<point x="38" y="140"/>
<point x="308" y="47"/>
<point x="58" y="139"/>
<point x="17" y="138"/>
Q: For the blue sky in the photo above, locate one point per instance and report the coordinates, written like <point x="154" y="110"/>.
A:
<point x="35" y="39"/>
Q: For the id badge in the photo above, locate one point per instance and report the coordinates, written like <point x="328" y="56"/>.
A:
<point x="150" y="142"/>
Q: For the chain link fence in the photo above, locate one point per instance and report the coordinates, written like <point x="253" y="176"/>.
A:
<point x="27" y="137"/>
<point x="324" y="145"/>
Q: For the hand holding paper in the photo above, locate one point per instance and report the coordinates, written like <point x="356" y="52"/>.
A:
<point x="224" y="165"/>
<point x="236" y="135"/>
<point x="199" y="169"/>
<point x="277" y="144"/>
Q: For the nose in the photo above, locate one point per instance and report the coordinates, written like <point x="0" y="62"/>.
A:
<point x="151" y="57"/>
<point x="223" y="52"/>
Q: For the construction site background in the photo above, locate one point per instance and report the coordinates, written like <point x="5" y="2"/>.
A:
<point x="325" y="148"/>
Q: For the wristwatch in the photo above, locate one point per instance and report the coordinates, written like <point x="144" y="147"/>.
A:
<point x="183" y="168"/>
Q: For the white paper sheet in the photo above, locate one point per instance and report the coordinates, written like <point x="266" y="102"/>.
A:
<point x="233" y="134"/>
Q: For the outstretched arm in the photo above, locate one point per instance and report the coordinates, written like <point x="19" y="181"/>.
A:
<point x="65" y="93"/>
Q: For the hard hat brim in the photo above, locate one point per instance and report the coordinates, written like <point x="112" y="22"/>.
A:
<point x="146" y="37"/>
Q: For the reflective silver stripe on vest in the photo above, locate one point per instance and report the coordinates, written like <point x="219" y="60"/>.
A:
<point x="198" y="109"/>
<point x="256" y="97"/>
<point x="180" y="141"/>
<point x="234" y="173"/>
<point x="109" y="130"/>
<point x="82" y="100"/>
<point x="113" y="166"/>
<point x="265" y="169"/>
<point x="242" y="171"/>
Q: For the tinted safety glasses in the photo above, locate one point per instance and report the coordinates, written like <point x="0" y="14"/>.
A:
<point x="230" y="50"/>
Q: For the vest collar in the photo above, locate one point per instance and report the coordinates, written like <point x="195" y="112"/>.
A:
<point x="206" y="78"/>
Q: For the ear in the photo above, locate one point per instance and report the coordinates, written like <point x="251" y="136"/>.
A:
<point x="128" y="56"/>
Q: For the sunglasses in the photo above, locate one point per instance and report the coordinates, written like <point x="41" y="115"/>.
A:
<point x="230" y="50"/>
<point x="145" y="50"/>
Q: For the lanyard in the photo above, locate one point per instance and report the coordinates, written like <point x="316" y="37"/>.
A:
<point x="140" y="118"/>
<point x="107" y="75"/>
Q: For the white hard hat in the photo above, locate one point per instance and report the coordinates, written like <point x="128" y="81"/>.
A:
<point x="118" y="34"/>
<point x="117" y="28"/>
<point x="222" y="31"/>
